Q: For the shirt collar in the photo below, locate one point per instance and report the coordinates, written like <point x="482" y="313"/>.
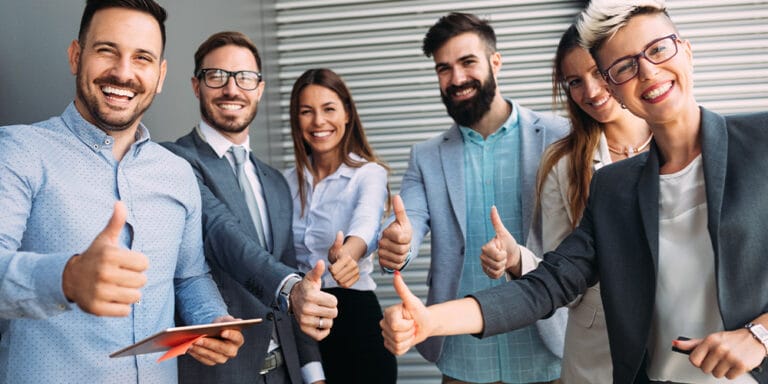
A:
<point x="94" y="137"/>
<point x="219" y="142"/>
<point x="509" y="125"/>
<point x="344" y="170"/>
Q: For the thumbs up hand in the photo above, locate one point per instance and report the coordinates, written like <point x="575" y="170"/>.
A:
<point x="406" y="324"/>
<point x="314" y="309"/>
<point x="502" y="252"/>
<point x="343" y="267"/>
<point x="395" y="243"/>
<point x="105" y="280"/>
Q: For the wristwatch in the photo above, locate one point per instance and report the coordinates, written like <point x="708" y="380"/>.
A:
<point x="284" y="296"/>
<point x="760" y="333"/>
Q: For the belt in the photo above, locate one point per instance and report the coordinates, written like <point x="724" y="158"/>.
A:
<point x="273" y="360"/>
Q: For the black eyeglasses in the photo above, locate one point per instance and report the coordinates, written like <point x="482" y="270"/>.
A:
<point x="656" y="52"/>
<point x="218" y="78"/>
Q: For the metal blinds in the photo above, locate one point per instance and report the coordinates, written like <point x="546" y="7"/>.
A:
<point x="376" y="46"/>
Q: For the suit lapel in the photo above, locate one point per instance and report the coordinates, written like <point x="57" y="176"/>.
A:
<point x="225" y="181"/>
<point x="452" y="160"/>
<point x="714" y="152"/>
<point x="648" y="199"/>
<point x="531" y="147"/>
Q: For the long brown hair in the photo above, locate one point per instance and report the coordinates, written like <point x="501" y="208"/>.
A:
<point x="580" y="144"/>
<point x="353" y="141"/>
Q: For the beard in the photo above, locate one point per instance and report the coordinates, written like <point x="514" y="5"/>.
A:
<point x="102" y="118"/>
<point x="468" y="112"/>
<point x="219" y="123"/>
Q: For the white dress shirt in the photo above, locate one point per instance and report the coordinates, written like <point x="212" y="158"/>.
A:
<point x="350" y="200"/>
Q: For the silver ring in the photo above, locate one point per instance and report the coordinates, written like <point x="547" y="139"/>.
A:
<point x="320" y="323"/>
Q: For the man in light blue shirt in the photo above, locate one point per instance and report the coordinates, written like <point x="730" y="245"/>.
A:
<point x="100" y="239"/>
<point x="488" y="157"/>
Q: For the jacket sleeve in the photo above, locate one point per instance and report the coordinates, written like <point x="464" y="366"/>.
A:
<point x="228" y="246"/>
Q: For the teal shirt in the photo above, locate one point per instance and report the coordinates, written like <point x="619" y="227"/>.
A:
<point x="493" y="177"/>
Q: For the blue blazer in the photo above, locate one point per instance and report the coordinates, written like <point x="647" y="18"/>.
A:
<point x="247" y="274"/>
<point x="621" y="221"/>
<point x="435" y="200"/>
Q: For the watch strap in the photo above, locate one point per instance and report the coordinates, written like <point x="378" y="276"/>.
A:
<point x="759" y="332"/>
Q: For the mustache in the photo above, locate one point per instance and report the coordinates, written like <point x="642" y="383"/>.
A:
<point x="457" y="88"/>
<point x="113" y="80"/>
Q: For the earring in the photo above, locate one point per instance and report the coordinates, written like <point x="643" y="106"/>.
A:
<point x="623" y="106"/>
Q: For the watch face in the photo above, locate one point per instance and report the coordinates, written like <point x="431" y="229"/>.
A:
<point x="759" y="331"/>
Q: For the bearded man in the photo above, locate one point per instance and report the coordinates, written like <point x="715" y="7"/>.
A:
<point x="489" y="157"/>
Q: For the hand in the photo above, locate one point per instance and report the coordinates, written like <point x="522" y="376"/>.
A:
<point x="395" y="243"/>
<point x="406" y="324"/>
<point x="313" y="308"/>
<point x="217" y="350"/>
<point x="501" y="253"/>
<point x="727" y="353"/>
<point x="343" y="267"/>
<point x="105" y="279"/>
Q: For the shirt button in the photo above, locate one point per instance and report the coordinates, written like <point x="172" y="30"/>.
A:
<point x="62" y="307"/>
<point x="107" y="142"/>
<point x="95" y="146"/>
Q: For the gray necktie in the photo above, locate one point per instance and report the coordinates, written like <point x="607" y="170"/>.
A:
<point x="240" y="155"/>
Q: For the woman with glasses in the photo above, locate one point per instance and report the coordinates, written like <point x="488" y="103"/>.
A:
<point x="340" y="192"/>
<point x="675" y="235"/>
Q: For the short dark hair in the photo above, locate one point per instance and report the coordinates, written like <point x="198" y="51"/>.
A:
<point x="454" y="24"/>
<point x="221" y="39"/>
<point x="146" y="6"/>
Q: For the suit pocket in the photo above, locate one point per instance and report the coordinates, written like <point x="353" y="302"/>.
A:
<point x="583" y="315"/>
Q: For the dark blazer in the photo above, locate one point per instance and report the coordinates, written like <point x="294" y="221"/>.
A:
<point x="621" y="221"/>
<point x="247" y="274"/>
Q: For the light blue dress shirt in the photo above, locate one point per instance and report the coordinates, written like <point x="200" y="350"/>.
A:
<point x="58" y="185"/>
<point x="351" y="200"/>
<point x="492" y="177"/>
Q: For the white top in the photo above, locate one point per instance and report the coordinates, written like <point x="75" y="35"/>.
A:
<point x="351" y="200"/>
<point x="220" y="145"/>
<point x="586" y="355"/>
<point x="686" y="293"/>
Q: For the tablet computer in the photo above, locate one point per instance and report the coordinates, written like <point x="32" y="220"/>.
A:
<point x="171" y="337"/>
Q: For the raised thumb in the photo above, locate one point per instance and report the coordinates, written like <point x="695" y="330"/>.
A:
<point x="116" y="222"/>
<point x="316" y="274"/>
<point x="408" y="298"/>
<point x="399" y="208"/>
<point x="339" y="242"/>
<point x="498" y="225"/>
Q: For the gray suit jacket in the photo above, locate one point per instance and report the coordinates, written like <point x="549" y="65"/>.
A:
<point x="434" y="196"/>
<point x="617" y="241"/>
<point x="247" y="274"/>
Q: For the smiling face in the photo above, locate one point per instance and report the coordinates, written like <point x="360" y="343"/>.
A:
<point x="228" y="109"/>
<point x="467" y="73"/>
<point x="119" y="68"/>
<point x="660" y="93"/>
<point x="587" y="88"/>
<point x="322" y="120"/>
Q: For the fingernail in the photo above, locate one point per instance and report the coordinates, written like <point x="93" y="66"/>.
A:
<point x="397" y="273"/>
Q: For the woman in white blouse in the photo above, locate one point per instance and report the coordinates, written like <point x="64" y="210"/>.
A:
<point x="602" y="132"/>
<point x="340" y="192"/>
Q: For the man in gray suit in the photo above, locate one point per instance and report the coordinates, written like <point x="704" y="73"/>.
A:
<point x="247" y="214"/>
<point x="488" y="157"/>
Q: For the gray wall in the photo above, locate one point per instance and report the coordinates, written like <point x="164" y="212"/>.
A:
<point x="35" y="82"/>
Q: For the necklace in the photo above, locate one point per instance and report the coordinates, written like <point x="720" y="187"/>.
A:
<point x="629" y="150"/>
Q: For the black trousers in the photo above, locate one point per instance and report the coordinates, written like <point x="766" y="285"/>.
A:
<point x="354" y="351"/>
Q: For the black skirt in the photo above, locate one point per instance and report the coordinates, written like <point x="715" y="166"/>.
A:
<point x="354" y="351"/>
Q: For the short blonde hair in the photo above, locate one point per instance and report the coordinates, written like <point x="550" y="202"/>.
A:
<point x="603" y="18"/>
